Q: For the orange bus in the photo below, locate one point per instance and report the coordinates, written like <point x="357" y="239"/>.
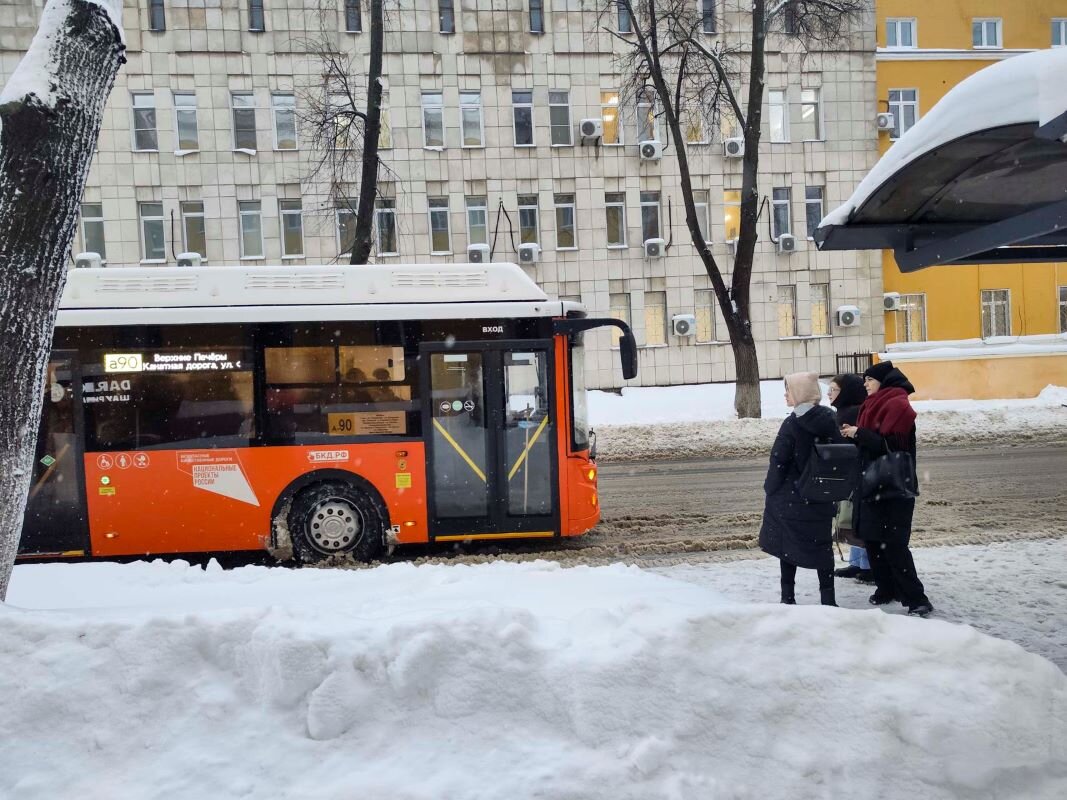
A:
<point x="311" y="412"/>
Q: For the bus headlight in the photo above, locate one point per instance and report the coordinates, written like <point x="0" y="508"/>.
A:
<point x="591" y="474"/>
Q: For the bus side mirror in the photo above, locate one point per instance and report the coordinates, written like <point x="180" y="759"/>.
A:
<point x="628" y="353"/>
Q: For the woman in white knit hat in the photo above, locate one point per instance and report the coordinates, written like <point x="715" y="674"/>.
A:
<point x="795" y="530"/>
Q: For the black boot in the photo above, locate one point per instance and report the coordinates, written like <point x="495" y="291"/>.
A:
<point x="788" y="594"/>
<point x="826" y="597"/>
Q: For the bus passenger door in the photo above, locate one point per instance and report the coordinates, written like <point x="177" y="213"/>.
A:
<point x="491" y="441"/>
<point x="55" y="519"/>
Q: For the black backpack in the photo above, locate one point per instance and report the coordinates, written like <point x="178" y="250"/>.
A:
<point x="831" y="474"/>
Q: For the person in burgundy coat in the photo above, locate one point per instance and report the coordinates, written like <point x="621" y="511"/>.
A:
<point x="887" y="423"/>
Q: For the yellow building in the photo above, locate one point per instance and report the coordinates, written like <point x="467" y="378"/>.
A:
<point x="925" y="47"/>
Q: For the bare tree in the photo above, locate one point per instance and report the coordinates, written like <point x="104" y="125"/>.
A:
<point x="342" y="116"/>
<point x="669" y="58"/>
<point x="50" y="113"/>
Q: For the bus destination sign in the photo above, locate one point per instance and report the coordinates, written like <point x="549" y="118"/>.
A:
<point x="196" y="361"/>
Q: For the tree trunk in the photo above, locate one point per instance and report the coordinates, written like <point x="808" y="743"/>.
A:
<point x="746" y="394"/>
<point x="368" y="181"/>
<point x="46" y="146"/>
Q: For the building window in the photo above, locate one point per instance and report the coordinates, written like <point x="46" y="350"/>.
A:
<point x="692" y="120"/>
<point x="904" y="106"/>
<point x="779" y="115"/>
<point x="243" y="105"/>
<point x="626" y="25"/>
<point x="522" y="109"/>
<point x="619" y="308"/>
<point x="1059" y="33"/>
<point x="813" y="208"/>
<point x="470" y="119"/>
<point x="446" y="15"/>
<point x="700" y="200"/>
<point x="251" y="220"/>
<point x="385" y="224"/>
<point x="537" y="16"/>
<point x="353" y="19"/>
<point x="284" y="108"/>
<point x="790" y="21"/>
<point x="986" y="33"/>
<point x="655" y="318"/>
<point x="615" y="214"/>
<point x="820" y="309"/>
<point x="911" y="318"/>
<point x="92" y="215"/>
<point x="900" y="34"/>
<point x="787" y="311"/>
<point x="1063" y="305"/>
<point x="385" y="130"/>
<point x="566" y="224"/>
<point x="440" y="232"/>
<point x="194" y="235"/>
<point x="810" y="114"/>
<point x="529" y="228"/>
<point x="157" y="16"/>
<point x="153" y="239"/>
<point x="185" y="123"/>
<point x="346" y="229"/>
<point x="559" y="115"/>
<point x="339" y="119"/>
<point x="650" y="228"/>
<point x="707" y="16"/>
<point x="782" y="212"/>
<point x="646" y="116"/>
<point x="255" y="16"/>
<point x="433" y="120"/>
<point x="609" y="115"/>
<point x="477" y="221"/>
<point x="996" y="312"/>
<point x="292" y="221"/>
<point x="144" y="121"/>
<point x="732" y="214"/>
<point x="704" y="310"/>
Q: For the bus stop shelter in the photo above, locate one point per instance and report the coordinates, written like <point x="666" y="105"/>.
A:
<point x="981" y="179"/>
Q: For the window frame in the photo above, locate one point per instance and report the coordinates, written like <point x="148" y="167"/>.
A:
<point x="1062" y="308"/>
<point x="824" y="318"/>
<point x="242" y="214"/>
<point x="557" y="206"/>
<point x="185" y="109"/>
<point x="284" y="212"/>
<point x="896" y="108"/>
<point x="728" y="203"/>
<point x="784" y="109"/>
<point x="528" y="106"/>
<point x="622" y="311"/>
<point x="902" y="316"/>
<point x="383" y="208"/>
<point x="619" y="126"/>
<point x="622" y="16"/>
<point x="708" y="21"/>
<point x="274" y="112"/>
<point x="134" y="108"/>
<point x="143" y="220"/>
<point x="998" y="28"/>
<point x="95" y="220"/>
<point x="234" y="108"/>
<point x="255" y="9"/>
<point x="446" y="16"/>
<point x="433" y="206"/>
<point x="157" y="16"/>
<point x="552" y="126"/>
<point x="539" y="7"/>
<point x="426" y="108"/>
<point x="187" y="215"/>
<point x="790" y="290"/>
<point x="711" y="306"/>
<point x="475" y="204"/>
<point x="339" y="212"/>
<point x="1058" y="24"/>
<point x="353" y="12"/>
<point x="988" y="311"/>
<point x="466" y="105"/>
<point x="817" y="103"/>
<point x="646" y="99"/>
<point x="898" y="23"/>
<point x="645" y="201"/>
<point x="706" y="216"/>
<point x="618" y="200"/>
<point x="808" y="203"/>
<point x="527" y="207"/>
<point x="776" y="205"/>
<point x="666" y="318"/>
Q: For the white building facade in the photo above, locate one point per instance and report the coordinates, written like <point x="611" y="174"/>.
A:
<point x="202" y="150"/>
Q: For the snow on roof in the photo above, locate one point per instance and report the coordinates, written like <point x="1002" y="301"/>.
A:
<point x="34" y="73"/>
<point x="1025" y="88"/>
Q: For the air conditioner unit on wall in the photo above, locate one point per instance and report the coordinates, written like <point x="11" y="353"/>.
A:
<point x="529" y="253"/>
<point x="787" y="243"/>
<point x="654" y="248"/>
<point x="189" y="259"/>
<point x="684" y="325"/>
<point x="847" y="316"/>
<point x="478" y="253"/>
<point x="885" y="121"/>
<point x="651" y="150"/>
<point x="88" y="260"/>
<point x="591" y="128"/>
<point x="733" y="148"/>
<point x="891" y="301"/>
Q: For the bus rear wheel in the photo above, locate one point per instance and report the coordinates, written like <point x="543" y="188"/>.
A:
<point x="335" y="519"/>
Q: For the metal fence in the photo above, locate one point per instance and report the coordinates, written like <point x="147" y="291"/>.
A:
<point x="854" y="362"/>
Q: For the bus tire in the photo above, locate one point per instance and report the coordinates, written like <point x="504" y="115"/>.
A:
<point x="336" y="519"/>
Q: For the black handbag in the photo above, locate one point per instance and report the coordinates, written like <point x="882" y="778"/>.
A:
<point x="890" y="477"/>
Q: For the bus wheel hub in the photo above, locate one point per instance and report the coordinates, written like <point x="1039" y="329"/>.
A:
<point x="335" y="526"/>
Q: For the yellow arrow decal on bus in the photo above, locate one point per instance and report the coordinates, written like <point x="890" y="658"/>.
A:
<point x="526" y="452"/>
<point x="459" y="449"/>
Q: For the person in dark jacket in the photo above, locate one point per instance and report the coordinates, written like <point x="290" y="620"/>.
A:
<point x="887" y="423"/>
<point x="847" y="394"/>
<point x="795" y="530"/>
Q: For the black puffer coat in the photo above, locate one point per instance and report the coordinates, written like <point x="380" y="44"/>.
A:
<point x="849" y="399"/>
<point x="794" y="529"/>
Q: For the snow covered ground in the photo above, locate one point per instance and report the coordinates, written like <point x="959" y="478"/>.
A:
<point x="691" y="421"/>
<point x="502" y="680"/>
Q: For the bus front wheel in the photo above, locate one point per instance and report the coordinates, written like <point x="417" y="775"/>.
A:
<point x="335" y="519"/>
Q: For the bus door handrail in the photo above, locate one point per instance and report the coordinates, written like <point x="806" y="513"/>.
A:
<point x="627" y="344"/>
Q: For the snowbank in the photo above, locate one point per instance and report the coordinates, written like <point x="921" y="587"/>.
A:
<point x="993" y="347"/>
<point x="500" y="681"/>
<point x="694" y="421"/>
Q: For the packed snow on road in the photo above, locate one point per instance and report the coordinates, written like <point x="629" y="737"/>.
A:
<point x="501" y="680"/>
